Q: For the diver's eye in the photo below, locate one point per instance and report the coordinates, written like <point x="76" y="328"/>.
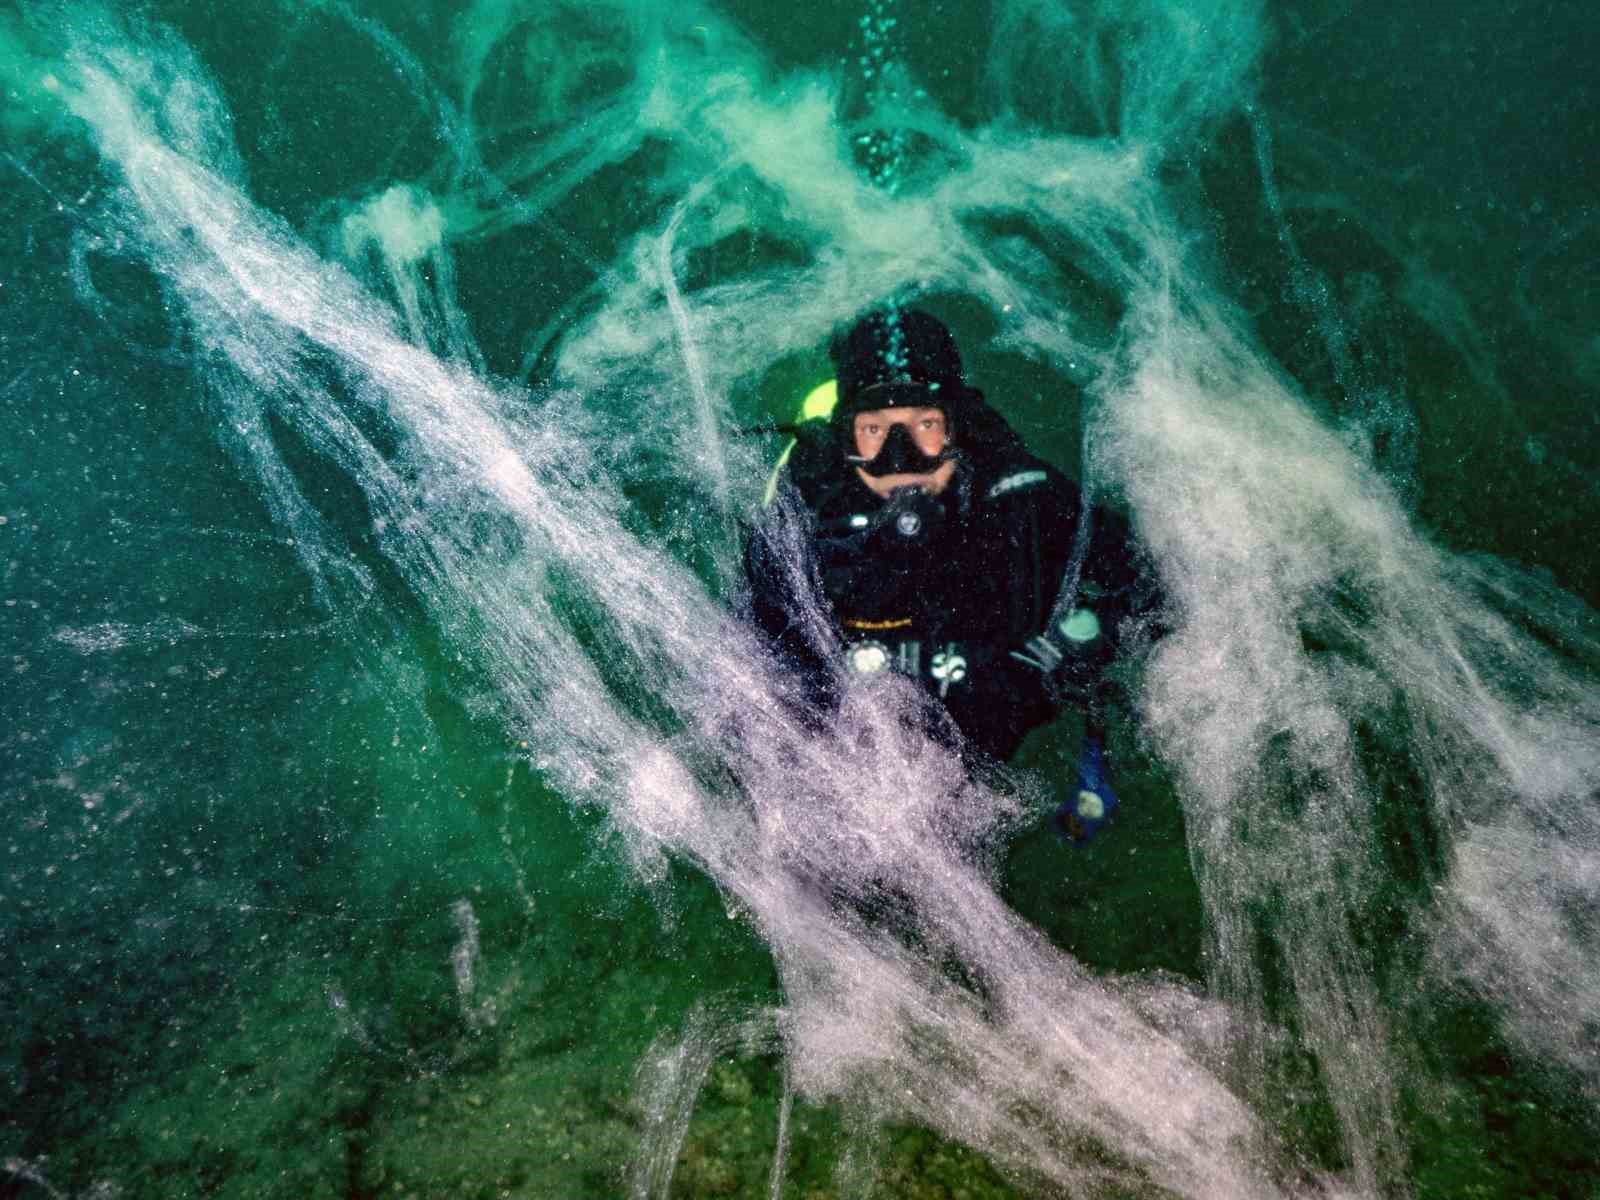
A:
<point x="873" y="430"/>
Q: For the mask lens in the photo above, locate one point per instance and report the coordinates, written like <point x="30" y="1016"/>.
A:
<point x="900" y="455"/>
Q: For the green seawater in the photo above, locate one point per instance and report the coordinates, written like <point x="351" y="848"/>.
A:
<point x="302" y="895"/>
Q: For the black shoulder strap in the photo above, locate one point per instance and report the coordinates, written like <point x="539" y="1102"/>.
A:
<point x="814" y="462"/>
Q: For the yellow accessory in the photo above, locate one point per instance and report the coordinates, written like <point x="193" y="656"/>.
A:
<point x="897" y="623"/>
<point x="820" y="401"/>
<point x="818" y="405"/>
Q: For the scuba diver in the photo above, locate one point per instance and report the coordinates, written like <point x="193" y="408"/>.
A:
<point x="909" y="530"/>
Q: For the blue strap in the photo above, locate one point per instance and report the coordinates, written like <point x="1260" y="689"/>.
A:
<point x="1092" y="802"/>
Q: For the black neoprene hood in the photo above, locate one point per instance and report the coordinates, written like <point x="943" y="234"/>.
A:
<point x="898" y="357"/>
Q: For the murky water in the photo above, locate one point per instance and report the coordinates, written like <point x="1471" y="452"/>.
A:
<point x="397" y="803"/>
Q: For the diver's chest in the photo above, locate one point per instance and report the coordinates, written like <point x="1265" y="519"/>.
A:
<point x="965" y="589"/>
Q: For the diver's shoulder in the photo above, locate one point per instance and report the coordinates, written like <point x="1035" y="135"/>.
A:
<point x="811" y="462"/>
<point x="1020" y="476"/>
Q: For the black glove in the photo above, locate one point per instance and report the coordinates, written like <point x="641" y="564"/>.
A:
<point x="1070" y="654"/>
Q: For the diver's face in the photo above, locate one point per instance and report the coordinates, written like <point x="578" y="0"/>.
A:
<point x="928" y="432"/>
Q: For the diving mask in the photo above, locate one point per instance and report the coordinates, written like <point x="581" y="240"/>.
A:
<point x="900" y="455"/>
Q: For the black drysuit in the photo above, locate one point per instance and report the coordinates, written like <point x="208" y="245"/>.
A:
<point x="838" y="586"/>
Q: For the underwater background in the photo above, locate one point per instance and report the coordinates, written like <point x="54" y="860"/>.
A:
<point x="395" y="804"/>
